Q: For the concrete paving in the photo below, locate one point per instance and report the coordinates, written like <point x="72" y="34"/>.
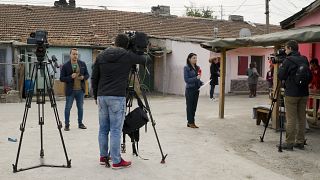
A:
<point x="204" y="153"/>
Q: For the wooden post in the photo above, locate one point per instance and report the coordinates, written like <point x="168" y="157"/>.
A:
<point x="222" y="83"/>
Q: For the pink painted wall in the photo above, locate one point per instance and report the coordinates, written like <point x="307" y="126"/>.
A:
<point x="311" y="19"/>
<point x="310" y="50"/>
<point x="316" y="52"/>
<point x="306" y="50"/>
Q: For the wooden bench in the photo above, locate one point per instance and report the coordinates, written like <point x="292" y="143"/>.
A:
<point x="262" y="115"/>
<point x="262" y="112"/>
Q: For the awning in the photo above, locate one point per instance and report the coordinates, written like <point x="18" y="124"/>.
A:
<point x="301" y="35"/>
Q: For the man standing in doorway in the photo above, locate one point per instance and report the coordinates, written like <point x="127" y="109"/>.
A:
<point x="74" y="73"/>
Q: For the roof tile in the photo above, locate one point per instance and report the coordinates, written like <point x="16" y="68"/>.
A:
<point x="78" y="26"/>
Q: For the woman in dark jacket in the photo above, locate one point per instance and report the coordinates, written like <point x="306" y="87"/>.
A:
<point x="192" y="75"/>
<point x="214" y="74"/>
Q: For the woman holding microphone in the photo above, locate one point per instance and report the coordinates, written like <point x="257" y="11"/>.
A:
<point x="192" y="75"/>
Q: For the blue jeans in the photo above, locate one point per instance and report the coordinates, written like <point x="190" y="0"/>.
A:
<point x="112" y="111"/>
<point x="78" y="95"/>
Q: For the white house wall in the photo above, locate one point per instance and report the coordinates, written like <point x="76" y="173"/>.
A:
<point x="173" y="82"/>
<point x="175" y="62"/>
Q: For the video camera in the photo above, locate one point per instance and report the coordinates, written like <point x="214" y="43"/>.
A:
<point x="138" y="42"/>
<point x="278" y="57"/>
<point x="39" y="37"/>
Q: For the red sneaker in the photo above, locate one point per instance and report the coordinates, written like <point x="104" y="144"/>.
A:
<point x="103" y="160"/>
<point x="121" y="164"/>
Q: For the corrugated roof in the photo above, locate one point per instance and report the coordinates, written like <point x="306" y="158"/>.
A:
<point x="78" y="26"/>
<point x="301" y="35"/>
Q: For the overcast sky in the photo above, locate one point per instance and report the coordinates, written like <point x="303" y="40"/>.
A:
<point x="252" y="10"/>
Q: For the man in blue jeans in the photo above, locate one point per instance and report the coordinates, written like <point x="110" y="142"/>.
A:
<point x="74" y="73"/>
<point x="109" y="81"/>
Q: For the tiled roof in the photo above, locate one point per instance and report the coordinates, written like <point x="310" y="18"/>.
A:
<point x="78" y="26"/>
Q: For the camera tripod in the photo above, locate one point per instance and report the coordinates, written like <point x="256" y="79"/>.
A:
<point x="277" y="97"/>
<point x="40" y="68"/>
<point x="130" y="90"/>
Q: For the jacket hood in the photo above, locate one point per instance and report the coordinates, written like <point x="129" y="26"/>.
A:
<point x="112" y="54"/>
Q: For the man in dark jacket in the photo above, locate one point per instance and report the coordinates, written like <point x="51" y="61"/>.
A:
<point x="74" y="73"/>
<point x="295" y="97"/>
<point x="109" y="82"/>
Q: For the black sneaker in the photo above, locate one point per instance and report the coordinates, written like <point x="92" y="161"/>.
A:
<point x="66" y="128"/>
<point x="299" y="146"/>
<point x="82" y="126"/>
<point x="285" y="146"/>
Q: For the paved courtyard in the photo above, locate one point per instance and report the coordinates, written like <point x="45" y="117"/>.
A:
<point x="220" y="149"/>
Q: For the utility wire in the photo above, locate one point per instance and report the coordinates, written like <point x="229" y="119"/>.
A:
<point x="292" y="4"/>
<point x="239" y="6"/>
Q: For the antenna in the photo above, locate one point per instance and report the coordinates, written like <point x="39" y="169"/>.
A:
<point x="244" y="32"/>
<point x="215" y="32"/>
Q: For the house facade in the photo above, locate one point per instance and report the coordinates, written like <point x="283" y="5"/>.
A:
<point x="92" y="30"/>
<point x="308" y="16"/>
<point x="169" y="72"/>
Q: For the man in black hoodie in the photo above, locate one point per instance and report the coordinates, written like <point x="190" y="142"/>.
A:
<point x="109" y="82"/>
<point x="295" y="97"/>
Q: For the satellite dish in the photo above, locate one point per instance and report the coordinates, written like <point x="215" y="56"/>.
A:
<point x="244" y="32"/>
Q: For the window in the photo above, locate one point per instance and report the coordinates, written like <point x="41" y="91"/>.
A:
<point x="258" y="61"/>
<point x="66" y="57"/>
<point x="2" y="67"/>
<point x="242" y="65"/>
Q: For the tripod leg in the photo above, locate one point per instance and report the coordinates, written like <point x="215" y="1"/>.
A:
<point x="123" y="145"/>
<point x="268" y="120"/>
<point x="134" y="150"/>
<point x="41" y="117"/>
<point x="274" y="100"/>
<point x="281" y="130"/>
<point x="152" y="120"/>
<point x="25" y="115"/>
<point x="56" y="114"/>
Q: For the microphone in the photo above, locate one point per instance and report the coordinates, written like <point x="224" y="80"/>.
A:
<point x="199" y="71"/>
<point x="55" y="61"/>
<point x="74" y="68"/>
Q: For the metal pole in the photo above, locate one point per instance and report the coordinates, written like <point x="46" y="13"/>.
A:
<point x="267" y="17"/>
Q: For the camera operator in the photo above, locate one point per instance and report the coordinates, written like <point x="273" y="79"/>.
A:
<point x="109" y="82"/>
<point x="295" y="97"/>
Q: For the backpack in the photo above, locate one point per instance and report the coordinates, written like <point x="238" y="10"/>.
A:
<point x="302" y="76"/>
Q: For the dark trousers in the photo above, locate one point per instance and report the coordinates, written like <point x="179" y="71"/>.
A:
<point x="253" y="90"/>
<point x="192" y="96"/>
<point x="212" y="90"/>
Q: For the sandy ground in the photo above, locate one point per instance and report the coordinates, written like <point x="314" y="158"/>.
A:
<point x="220" y="149"/>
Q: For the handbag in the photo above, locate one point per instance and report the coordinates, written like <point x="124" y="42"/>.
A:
<point x="135" y="120"/>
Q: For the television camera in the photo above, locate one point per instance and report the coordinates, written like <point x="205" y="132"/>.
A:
<point x="40" y="38"/>
<point x="138" y="42"/>
<point x="278" y="57"/>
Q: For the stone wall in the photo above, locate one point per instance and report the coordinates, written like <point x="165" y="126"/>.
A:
<point x="241" y="85"/>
